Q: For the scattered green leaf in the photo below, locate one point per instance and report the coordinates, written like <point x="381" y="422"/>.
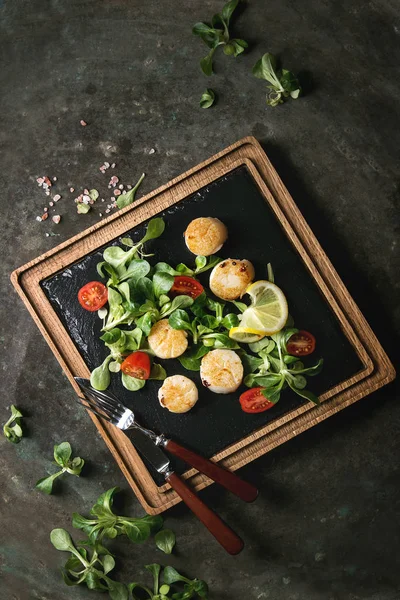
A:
<point x="207" y="98"/>
<point x="62" y="457"/>
<point x="283" y="84"/>
<point x="12" y="428"/>
<point x="165" y="540"/>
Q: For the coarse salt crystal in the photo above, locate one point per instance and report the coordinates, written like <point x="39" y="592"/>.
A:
<point x="121" y="187"/>
<point x="102" y="199"/>
<point x="86" y="191"/>
<point x="40" y="180"/>
<point x="71" y="189"/>
<point x="117" y="192"/>
<point x="45" y="209"/>
<point x="114" y="180"/>
<point x="56" y="219"/>
<point x="56" y="198"/>
<point x="38" y="218"/>
<point x="124" y="192"/>
<point x="83" y="123"/>
<point x="85" y="199"/>
<point x="113" y="166"/>
<point x="47" y="234"/>
<point x="107" y="165"/>
<point x="51" y="203"/>
<point x="107" y="210"/>
<point x="100" y="214"/>
<point x="47" y="193"/>
<point x="54" y="178"/>
<point x="129" y="187"/>
<point x="152" y="151"/>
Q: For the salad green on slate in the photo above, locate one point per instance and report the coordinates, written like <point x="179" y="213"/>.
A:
<point x="217" y="34"/>
<point x="154" y="311"/>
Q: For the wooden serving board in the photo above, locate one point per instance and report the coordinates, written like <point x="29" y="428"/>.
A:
<point x="263" y="222"/>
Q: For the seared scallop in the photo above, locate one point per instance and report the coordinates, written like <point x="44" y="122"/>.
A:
<point x="205" y="236"/>
<point x="230" y="278"/>
<point x="221" y="371"/>
<point x="165" y="341"/>
<point x="178" y="394"/>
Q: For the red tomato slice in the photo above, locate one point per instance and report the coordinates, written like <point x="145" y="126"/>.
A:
<point x="93" y="295"/>
<point x="301" y="344"/>
<point x="187" y="286"/>
<point x="253" y="401"/>
<point x="137" y="365"/>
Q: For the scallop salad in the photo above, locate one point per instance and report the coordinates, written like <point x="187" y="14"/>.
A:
<point x="154" y="312"/>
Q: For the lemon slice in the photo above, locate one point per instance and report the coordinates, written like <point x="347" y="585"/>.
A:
<point x="245" y="335"/>
<point x="268" y="311"/>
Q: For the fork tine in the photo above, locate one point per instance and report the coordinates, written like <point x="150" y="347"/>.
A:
<point x="105" y="404"/>
<point x="88" y="406"/>
<point x="109" y="397"/>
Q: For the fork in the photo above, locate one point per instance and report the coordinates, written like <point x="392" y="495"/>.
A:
<point x="109" y="408"/>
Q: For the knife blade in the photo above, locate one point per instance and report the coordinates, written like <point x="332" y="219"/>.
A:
<point x="152" y="453"/>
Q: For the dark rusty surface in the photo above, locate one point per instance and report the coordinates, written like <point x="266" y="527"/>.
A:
<point x="325" y="526"/>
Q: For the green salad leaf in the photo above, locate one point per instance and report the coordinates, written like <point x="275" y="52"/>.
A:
<point x="207" y="98"/>
<point x="128" y="198"/>
<point x="105" y="523"/>
<point x="165" y="540"/>
<point x="217" y="34"/>
<point x="283" y="84"/>
<point x="12" y="428"/>
<point x="62" y="458"/>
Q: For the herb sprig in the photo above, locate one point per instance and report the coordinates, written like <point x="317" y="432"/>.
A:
<point x="207" y="98"/>
<point x="217" y="34"/>
<point x="283" y="84"/>
<point x="88" y="565"/>
<point x="105" y="523"/>
<point x="275" y="369"/>
<point x="12" y="428"/>
<point x="62" y="458"/>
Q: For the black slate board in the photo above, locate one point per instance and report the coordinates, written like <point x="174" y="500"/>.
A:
<point x="254" y="233"/>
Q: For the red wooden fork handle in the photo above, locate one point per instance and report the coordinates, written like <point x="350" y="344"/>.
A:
<point x="215" y="525"/>
<point x="245" y="491"/>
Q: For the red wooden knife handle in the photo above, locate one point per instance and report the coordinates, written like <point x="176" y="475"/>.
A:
<point x="215" y="525"/>
<point x="230" y="481"/>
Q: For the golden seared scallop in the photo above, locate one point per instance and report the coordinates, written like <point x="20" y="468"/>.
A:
<point x="205" y="236"/>
<point x="230" y="278"/>
<point x="178" y="394"/>
<point x="165" y="341"/>
<point x="221" y="371"/>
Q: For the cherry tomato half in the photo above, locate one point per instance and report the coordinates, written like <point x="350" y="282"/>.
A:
<point x="93" y="295"/>
<point x="253" y="401"/>
<point x="301" y="344"/>
<point x="187" y="286"/>
<point x="137" y="365"/>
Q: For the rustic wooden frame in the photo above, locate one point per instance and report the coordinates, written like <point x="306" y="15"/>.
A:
<point x="377" y="369"/>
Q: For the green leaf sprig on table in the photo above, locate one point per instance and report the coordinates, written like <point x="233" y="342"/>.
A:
<point x="62" y="458"/>
<point x="207" y="98"/>
<point x="283" y="84"/>
<point x="165" y="540"/>
<point x="217" y="34"/>
<point x="274" y="369"/>
<point x="12" y="428"/>
<point x="192" y="588"/>
<point x="88" y="565"/>
<point x="128" y="198"/>
<point x="105" y="523"/>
